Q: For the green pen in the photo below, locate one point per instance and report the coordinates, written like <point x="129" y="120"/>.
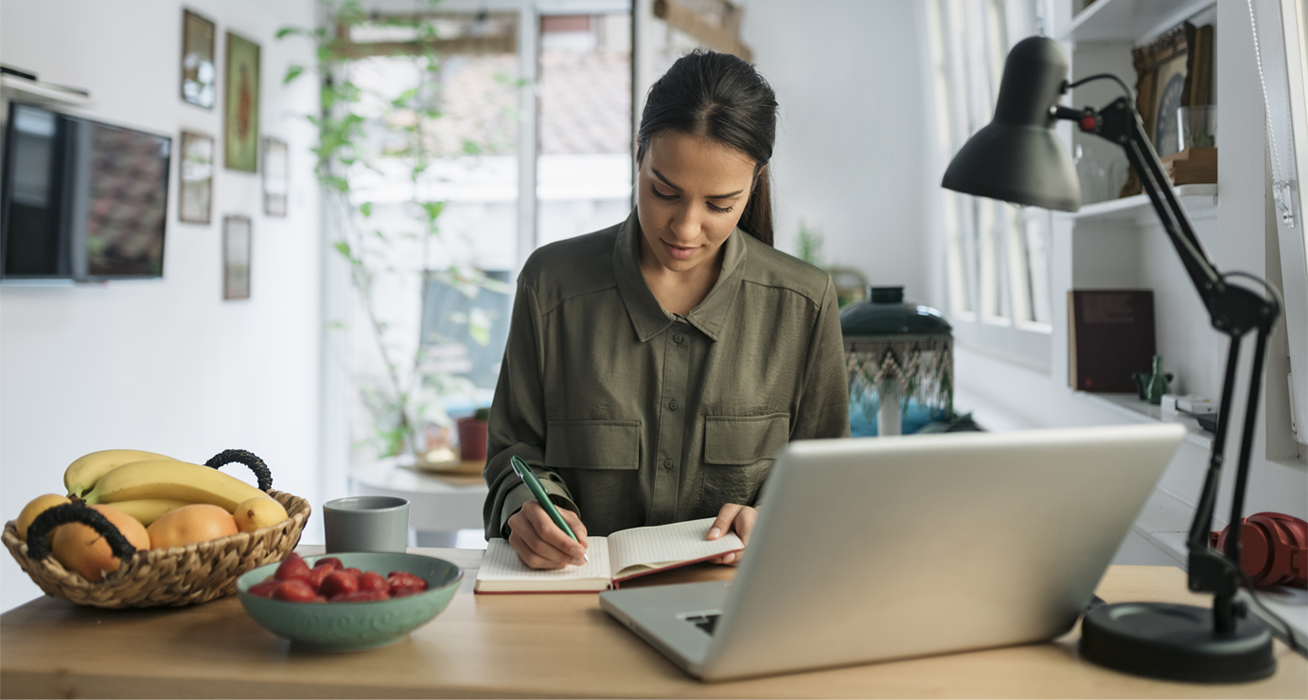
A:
<point x="528" y="477"/>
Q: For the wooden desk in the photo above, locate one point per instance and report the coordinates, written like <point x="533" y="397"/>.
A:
<point x="526" y="646"/>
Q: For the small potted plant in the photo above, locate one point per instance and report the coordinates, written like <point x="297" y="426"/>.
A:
<point x="472" y="436"/>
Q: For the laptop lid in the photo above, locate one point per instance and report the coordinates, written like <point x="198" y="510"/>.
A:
<point x="882" y="548"/>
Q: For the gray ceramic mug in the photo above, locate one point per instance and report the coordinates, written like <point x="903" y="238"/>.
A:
<point x="366" y="524"/>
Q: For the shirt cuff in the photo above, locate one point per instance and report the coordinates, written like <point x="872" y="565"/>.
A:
<point x="520" y="494"/>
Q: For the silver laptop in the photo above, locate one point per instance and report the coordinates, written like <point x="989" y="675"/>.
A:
<point x="883" y="548"/>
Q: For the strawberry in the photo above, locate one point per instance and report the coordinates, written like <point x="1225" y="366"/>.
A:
<point x="338" y="583"/>
<point x="332" y="562"/>
<point x="318" y="574"/>
<point x="264" y="589"/>
<point x="292" y="567"/>
<point x="353" y="571"/>
<point x="404" y="579"/>
<point x="295" y="591"/>
<point x="373" y="581"/>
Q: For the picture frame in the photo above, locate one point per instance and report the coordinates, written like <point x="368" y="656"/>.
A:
<point x="1173" y="71"/>
<point x="199" y="67"/>
<point x="237" y="245"/>
<point x="276" y="181"/>
<point x="195" y="172"/>
<point x="241" y="111"/>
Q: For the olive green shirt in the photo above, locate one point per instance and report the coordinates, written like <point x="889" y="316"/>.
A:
<point x="631" y="415"/>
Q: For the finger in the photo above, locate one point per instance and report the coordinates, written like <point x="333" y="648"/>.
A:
<point x="524" y="528"/>
<point x="553" y="535"/>
<point x="744" y="523"/>
<point x="730" y="559"/>
<point x="722" y="523"/>
<point x="529" y="555"/>
<point x="578" y="528"/>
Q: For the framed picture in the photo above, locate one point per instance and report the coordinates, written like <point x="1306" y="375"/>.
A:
<point x="236" y="257"/>
<point x="241" y="122"/>
<point x="199" y="72"/>
<point x="197" y="178"/>
<point x="1173" y="71"/>
<point x="276" y="184"/>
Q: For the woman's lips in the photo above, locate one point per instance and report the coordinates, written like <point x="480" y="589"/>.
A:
<point x="678" y="252"/>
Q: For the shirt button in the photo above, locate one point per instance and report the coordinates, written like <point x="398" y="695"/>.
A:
<point x="672" y="405"/>
<point x="678" y="338"/>
<point x="667" y="464"/>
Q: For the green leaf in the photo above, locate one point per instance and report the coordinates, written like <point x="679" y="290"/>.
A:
<point x="343" y="248"/>
<point x="366" y="209"/>
<point x="288" y="31"/>
<point x="433" y="209"/>
<point x="405" y="97"/>
<point x="471" y="148"/>
<point x="292" y="73"/>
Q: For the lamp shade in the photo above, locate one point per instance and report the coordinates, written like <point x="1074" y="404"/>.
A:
<point x="1017" y="158"/>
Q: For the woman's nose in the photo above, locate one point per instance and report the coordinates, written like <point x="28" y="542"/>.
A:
<point x="686" y="224"/>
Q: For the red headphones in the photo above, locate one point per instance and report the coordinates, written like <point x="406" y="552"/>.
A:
<point x="1273" y="549"/>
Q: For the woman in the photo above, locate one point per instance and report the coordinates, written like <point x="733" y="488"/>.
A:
<point x="655" y="368"/>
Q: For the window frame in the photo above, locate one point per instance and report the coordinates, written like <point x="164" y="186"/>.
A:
<point x="989" y="262"/>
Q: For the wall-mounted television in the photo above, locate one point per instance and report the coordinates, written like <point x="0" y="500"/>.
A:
<point x="80" y="199"/>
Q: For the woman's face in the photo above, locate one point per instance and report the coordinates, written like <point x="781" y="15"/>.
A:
<point x="691" y="192"/>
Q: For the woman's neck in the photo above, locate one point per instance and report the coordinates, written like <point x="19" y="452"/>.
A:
<point x="679" y="292"/>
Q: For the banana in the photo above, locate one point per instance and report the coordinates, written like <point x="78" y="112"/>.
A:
<point x="148" y="510"/>
<point x="166" y="478"/>
<point x="81" y="475"/>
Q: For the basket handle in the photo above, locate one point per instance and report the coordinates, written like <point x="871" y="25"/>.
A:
<point x="38" y="541"/>
<point x="249" y="459"/>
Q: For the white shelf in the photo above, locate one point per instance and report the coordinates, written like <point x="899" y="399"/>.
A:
<point x="1130" y="407"/>
<point x="1130" y="21"/>
<point x="34" y="92"/>
<point x="1199" y="201"/>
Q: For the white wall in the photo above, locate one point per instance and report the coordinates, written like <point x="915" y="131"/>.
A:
<point x="849" y="153"/>
<point x="166" y="365"/>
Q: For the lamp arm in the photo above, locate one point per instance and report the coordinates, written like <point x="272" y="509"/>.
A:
<point x="1232" y="310"/>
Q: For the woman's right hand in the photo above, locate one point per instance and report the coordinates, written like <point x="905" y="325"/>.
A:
<point x="540" y="543"/>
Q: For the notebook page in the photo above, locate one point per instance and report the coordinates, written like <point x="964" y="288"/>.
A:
<point x="501" y="563"/>
<point x="661" y="545"/>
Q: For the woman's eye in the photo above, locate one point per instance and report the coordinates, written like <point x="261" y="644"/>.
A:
<point x="660" y="195"/>
<point x="721" y="210"/>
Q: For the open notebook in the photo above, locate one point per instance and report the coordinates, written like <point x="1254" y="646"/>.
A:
<point x="622" y="555"/>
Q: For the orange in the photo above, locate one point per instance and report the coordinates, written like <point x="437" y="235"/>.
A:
<point x="198" y="522"/>
<point x="80" y="548"/>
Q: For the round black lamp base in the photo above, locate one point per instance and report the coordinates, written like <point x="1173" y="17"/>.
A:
<point x="1175" y="642"/>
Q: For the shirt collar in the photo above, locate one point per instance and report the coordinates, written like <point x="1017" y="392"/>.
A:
<point x="648" y="318"/>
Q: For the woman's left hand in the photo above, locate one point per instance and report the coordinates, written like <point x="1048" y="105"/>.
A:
<point x="733" y="518"/>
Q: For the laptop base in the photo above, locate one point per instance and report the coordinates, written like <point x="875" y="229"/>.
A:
<point x="1176" y="642"/>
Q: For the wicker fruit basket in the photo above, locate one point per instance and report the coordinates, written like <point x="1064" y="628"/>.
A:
<point x="178" y="576"/>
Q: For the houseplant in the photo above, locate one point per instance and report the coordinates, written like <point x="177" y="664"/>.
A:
<point x="363" y="131"/>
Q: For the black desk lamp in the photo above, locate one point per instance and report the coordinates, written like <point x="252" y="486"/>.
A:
<point x="1017" y="158"/>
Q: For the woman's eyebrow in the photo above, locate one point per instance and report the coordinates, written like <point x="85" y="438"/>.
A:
<point x="668" y="182"/>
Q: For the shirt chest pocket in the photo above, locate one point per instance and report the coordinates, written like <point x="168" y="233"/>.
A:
<point x="593" y="444"/>
<point x="738" y="452"/>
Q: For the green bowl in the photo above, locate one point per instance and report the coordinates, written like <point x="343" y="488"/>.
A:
<point x="355" y="626"/>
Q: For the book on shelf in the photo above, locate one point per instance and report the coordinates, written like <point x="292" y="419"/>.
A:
<point x="619" y="557"/>
<point x="1110" y="337"/>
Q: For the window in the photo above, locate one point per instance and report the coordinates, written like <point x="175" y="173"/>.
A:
<point x="996" y="265"/>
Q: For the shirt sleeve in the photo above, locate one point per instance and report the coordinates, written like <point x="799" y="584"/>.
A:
<point x="517" y="424"/>
<point x="823" y="410"/>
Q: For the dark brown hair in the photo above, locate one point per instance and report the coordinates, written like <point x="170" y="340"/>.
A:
<point x="721" y="97"/>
